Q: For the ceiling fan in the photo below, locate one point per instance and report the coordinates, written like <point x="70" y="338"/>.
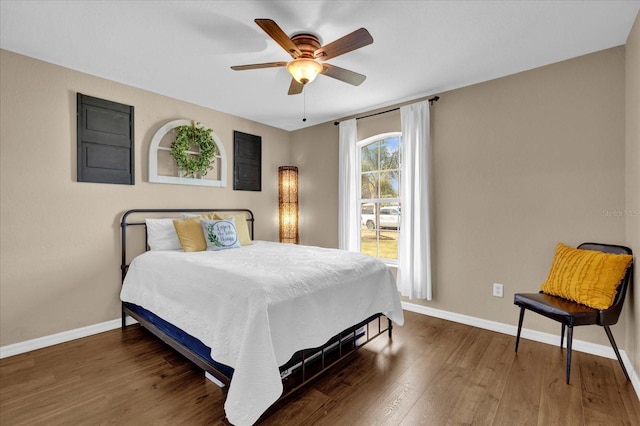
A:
<point x="305" y="49"/>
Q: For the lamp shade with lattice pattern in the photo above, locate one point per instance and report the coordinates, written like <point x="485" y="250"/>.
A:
<point x="288" y="204"/>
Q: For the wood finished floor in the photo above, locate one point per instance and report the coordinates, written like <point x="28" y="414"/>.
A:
<point x="434" y="372"/>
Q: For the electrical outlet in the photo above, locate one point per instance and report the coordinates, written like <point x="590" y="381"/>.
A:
<point x="497" y="290"/>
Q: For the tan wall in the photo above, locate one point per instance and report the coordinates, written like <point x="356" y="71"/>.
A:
<point x="632" y="90"/>
<point x="315" y="152"/>
<point x="60" y="242"/>
<point x="521" y="163"/>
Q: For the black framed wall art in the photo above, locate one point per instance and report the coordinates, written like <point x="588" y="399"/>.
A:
<point x="247" y="162"/>
<point x="105" y="141"/>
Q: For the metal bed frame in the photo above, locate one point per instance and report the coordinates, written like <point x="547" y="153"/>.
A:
<point x="305" y="366"/>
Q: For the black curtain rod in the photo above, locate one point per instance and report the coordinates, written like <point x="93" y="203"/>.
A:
<point x="431" y="101"/>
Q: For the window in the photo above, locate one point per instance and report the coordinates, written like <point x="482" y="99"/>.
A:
<point x="379" y="160"/>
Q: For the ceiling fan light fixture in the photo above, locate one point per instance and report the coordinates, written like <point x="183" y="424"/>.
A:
<point x="304" y="49"/>
<point x="304" y="70"/>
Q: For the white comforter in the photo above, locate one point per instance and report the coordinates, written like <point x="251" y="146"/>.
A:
<point x="256" y="305"/>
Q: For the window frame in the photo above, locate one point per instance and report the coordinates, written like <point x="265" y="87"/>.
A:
<point x="359" y="200"/>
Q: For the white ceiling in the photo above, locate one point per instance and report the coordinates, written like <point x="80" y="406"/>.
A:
<point x="184" y="49"/>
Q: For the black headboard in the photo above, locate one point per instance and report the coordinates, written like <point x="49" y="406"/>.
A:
<point x="124" y="224"/>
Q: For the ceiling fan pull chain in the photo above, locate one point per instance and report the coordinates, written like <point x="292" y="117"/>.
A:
<point x="304" y="104"/>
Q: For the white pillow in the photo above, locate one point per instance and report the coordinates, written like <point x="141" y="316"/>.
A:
<point x="220" y="234"/>
<point x="161" y="235"/>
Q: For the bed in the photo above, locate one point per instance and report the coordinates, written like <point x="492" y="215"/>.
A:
<point x="262" y="318"/>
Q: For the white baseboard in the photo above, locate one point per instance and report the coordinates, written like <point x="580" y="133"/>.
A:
<point x="538" y="336"/>
<point x="65" y="336"/>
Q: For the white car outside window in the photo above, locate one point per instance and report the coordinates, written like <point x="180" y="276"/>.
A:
<point x="389" y="218"/>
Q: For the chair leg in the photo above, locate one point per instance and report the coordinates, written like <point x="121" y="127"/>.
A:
<point x="569" y="341"/>
<point x="519" y="327"/>
<point x="615" y="349"/>
<point x="562" y="336"/>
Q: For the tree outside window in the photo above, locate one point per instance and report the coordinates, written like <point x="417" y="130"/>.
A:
<point x="379" y="159"/>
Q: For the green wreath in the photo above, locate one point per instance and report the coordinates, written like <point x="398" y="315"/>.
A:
<point x="194" y="138"/>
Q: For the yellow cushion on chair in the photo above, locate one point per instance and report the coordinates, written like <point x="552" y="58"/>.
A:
<point x="586" y="276"/>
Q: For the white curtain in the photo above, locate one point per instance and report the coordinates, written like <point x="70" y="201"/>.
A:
<point x="348" y="222"/>
<point x="414" y="246"/>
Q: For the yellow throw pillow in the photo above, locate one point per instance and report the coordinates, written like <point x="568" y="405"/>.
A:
<point x="190" y="232"/>
<point x="586" y="276"/>
<point x="242" y="227"/>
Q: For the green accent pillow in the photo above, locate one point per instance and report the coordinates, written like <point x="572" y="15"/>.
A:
<point x="220" y="234"/>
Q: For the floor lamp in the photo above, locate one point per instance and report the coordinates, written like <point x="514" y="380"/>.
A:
<point x="288" y="204"/>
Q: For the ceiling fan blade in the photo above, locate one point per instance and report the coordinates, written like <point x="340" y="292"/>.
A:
<point x="275" y="32"/>
<point x="295" y="88"/>
<point x="343" y="74"/>
<point x="357" y="39"/>
<point x="257" y="66"/>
